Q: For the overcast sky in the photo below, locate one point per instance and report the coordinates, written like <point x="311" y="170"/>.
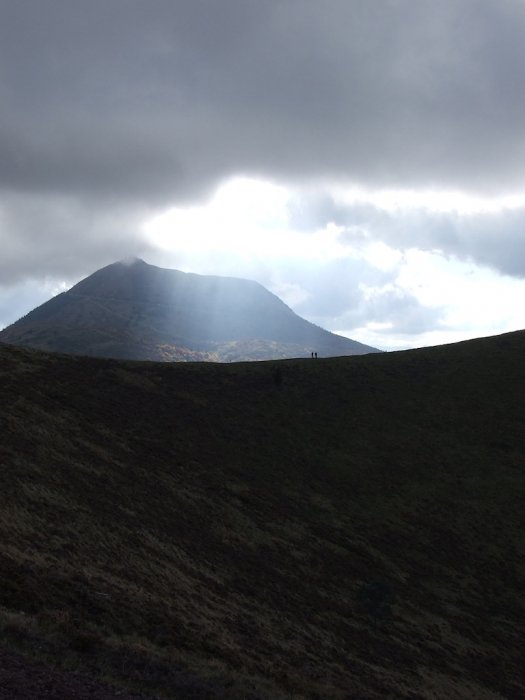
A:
<point x="363" y="159"/>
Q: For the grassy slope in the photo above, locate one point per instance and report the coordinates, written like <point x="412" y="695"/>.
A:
<point x="336" y="528"/>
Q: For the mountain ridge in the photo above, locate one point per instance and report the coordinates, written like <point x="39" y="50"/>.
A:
<point x="140" y="311"/>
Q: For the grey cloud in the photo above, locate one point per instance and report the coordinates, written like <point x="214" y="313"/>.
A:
<point x="494" y="239"/>
<point x="18" y="300"/>
<point x="62" y="238"/>
<point x="162" y="99"/>
<point x="335" y="287"/>
<point x="348" y="294"/>
<point x="405" y="314"/>
<point x="399" y="310"/>
<point x="497" y="241"/>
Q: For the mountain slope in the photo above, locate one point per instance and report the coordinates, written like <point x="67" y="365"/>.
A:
<point x="352" y="527"/>
<point x="138" y="311"/>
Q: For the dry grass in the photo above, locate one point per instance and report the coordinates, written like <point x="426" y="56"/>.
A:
<point x="200" y="531"/>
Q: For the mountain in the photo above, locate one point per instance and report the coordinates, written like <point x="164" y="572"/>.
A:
<point x="347" y="528"/>
<point x="142" y="312"/>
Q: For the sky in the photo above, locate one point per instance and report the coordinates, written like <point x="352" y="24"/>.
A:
<point x="362" y="159"/>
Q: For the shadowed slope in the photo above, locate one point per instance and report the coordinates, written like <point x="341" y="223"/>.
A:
<point x="351" y="527"/>
<point x="138" y="311"/>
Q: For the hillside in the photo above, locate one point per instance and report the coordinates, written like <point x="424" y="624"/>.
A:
<point x="339" y="528"/>
<point x="138" y="311"/>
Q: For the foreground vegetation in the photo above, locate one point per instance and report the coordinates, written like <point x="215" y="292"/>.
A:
<point x="337" y="528"/>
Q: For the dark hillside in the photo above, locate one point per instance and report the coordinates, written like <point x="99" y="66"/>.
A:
<point x="339" y="528"/>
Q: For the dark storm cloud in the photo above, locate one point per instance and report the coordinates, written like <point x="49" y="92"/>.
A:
<point x="149" y="100"/>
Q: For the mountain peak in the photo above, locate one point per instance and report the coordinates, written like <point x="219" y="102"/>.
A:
<point x="131" y="261"/>
<point x="133" y="310"/>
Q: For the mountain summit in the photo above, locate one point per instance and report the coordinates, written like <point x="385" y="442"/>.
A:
<point x="134" y="310"/>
